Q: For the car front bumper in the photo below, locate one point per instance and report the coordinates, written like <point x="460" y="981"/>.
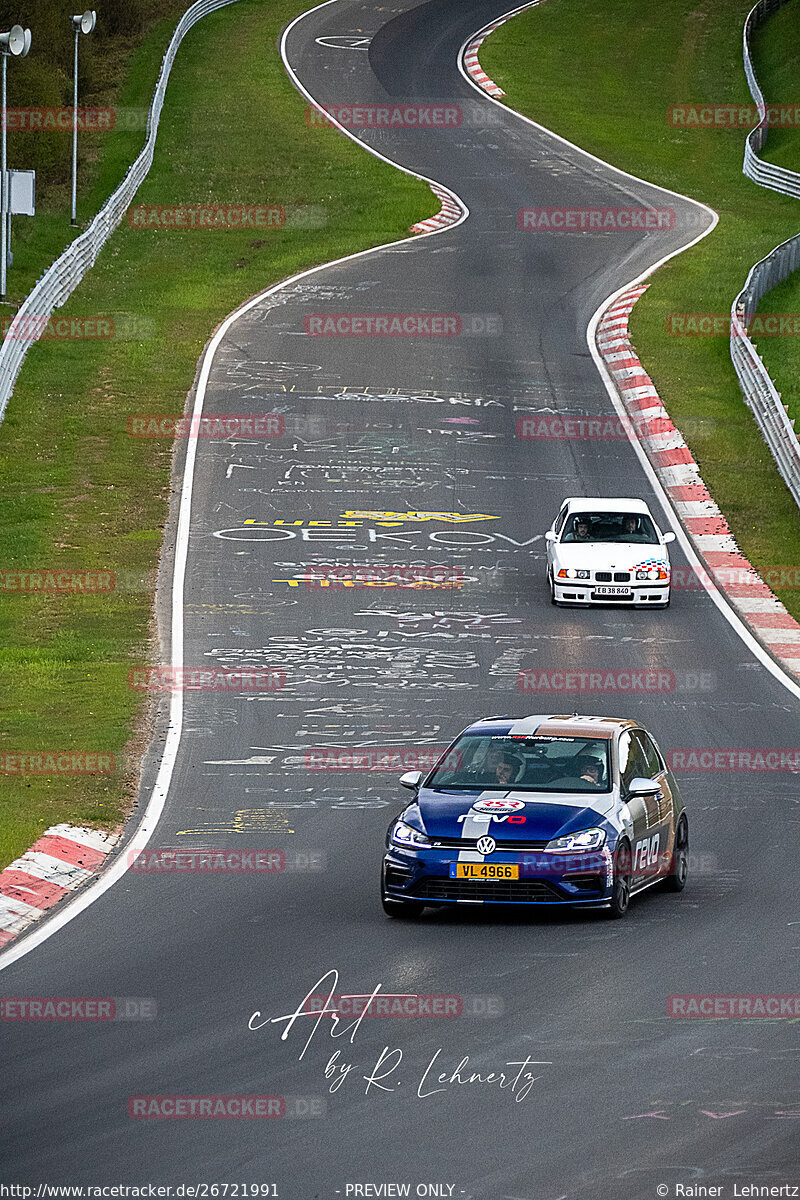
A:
<point x="425" y="876"/>
<point x="584" y="591"/>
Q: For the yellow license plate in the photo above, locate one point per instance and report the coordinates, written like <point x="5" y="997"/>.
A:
<point x="483" y="871"/>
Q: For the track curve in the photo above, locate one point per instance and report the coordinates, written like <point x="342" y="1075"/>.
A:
<point x="395" y="425"/>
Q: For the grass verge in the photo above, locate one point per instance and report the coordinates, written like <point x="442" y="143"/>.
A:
<point x="77" y="491"/>
<point x="776" y="52"/>
<point x="776" y="56"/>
<point x="615" y="104"/>
<point x="128" y="76"/>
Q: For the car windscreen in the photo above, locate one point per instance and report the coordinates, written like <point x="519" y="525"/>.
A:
<point x="610" y="527"/>
<point x="480" y="762"/>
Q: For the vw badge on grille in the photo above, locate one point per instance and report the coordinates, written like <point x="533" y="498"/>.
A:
<point x="486" y="845"/>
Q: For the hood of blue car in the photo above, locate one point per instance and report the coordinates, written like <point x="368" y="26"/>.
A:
<point x="535" y="816"/>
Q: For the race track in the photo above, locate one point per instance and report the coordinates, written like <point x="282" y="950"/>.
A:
<point x="626" y="1099"/>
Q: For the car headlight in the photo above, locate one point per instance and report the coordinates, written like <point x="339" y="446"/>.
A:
<point x="587" y="839"/>
<point x="571" y="573"/>
<point x="407" y="835"/>
<point x="653" y="573"/>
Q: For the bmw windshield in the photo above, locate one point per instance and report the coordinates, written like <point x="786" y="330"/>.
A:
<point x="611" y="527"/>
<point x="481" y="762"/>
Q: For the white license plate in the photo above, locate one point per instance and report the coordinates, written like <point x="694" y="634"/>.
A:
<point x="613" y="591"/>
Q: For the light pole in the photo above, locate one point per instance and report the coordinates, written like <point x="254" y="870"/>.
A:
<point x="17" y="42"/>
<point x="81" y="23"/>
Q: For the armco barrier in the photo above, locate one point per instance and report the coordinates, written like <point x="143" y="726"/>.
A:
<point x="769" y="176"/>
<point x="760" y="393"/>
<point x="61" y="279"/>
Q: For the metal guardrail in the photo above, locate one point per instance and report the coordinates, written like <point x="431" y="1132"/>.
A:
<point x="758" y="388"/>
<point x="777" y="178"/>
<point x="64" y="275"/>
<point x="760" y="393"/>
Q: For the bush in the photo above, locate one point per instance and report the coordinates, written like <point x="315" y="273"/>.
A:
<point x="45" y="77"/>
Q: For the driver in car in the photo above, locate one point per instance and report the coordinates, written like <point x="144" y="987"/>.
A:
<point x="505" y="770"/>
<point x="631" y="528"/>
<point x="582" y="771"/>
<point x="589" y="770"/>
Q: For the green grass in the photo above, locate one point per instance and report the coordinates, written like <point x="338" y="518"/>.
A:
<point x="776" y="50"/>
<point x="76" y="490"/>
<point x="776" y="56"/>
<point x="603" y="73"/>
<point x="103" y="158"/>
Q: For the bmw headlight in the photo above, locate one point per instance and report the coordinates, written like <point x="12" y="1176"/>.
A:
<point x="652" y="573"/>
<point x="572" y="573"/>
<point x="587" y="839"/>
<point x="407" y="835"/>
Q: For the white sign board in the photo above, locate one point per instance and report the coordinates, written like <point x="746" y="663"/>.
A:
<point x="22" y="185"/>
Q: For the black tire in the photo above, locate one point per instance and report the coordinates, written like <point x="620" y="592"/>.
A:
<point x="621" y="884"/>
<point x="408" y="909"/>
<point x="679" y="865"/>
<point x="552" y="590"/>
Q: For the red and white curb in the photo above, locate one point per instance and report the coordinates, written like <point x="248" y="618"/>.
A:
<point x="63" y="859"/>
<point x="450" y="213"/>
<point x="473" y="67"/>
<point x="680" y="477"/>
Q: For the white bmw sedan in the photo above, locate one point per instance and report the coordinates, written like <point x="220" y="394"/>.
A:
<point x="607" y="550"/>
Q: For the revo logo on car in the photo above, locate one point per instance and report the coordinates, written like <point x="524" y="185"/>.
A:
<point x="487" y="817"/>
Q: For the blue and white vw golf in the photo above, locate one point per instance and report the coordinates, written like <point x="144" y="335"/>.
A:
<point x="544" y="810"/>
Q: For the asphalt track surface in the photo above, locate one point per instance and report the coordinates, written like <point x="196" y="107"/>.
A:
<point x="409" y="425"/>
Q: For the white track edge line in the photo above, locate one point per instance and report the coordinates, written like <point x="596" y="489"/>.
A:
<point x="158" y="796"/>
<point x="157" y="800"/>
<point x="721" y="601"/>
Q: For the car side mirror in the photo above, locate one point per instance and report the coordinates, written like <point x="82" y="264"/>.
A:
<point x="411" y="780"/>
<point x="643" y="787"/>
<point x="550" y="536"/>
<point x="668" y="537"/>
